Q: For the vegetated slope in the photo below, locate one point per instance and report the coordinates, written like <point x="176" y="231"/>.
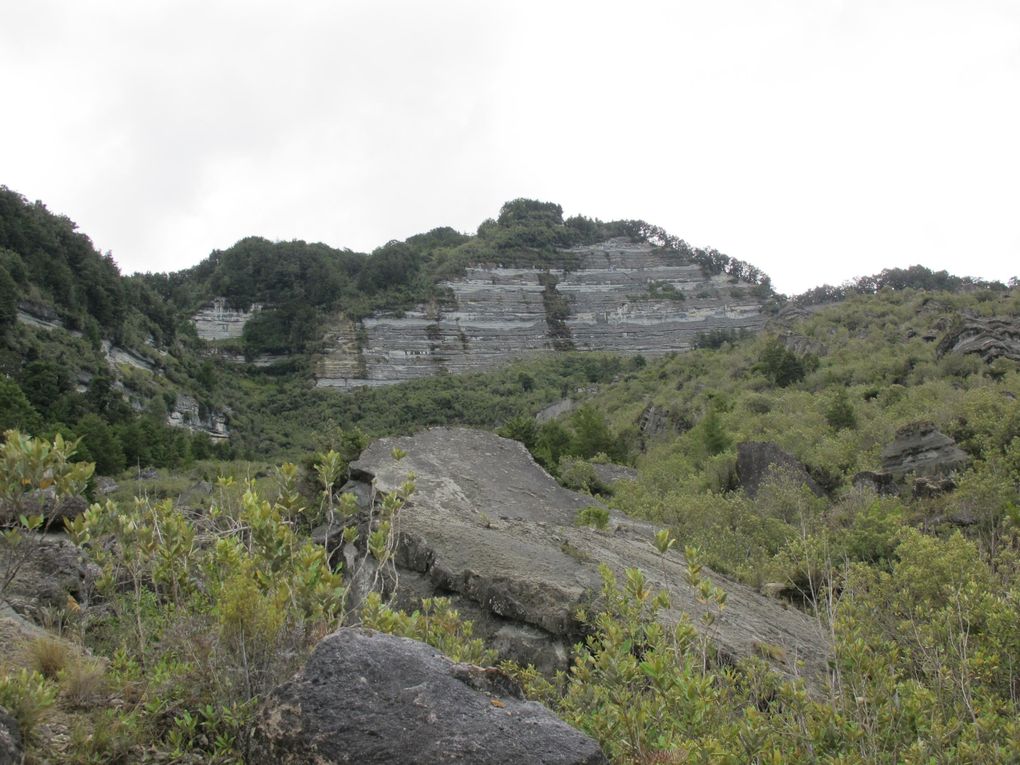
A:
<point x="832" y="389"/>
<point x="114" y="359"/>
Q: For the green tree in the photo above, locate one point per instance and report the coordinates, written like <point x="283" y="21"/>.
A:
<point x="15" y="410"/>
<point x="99" y="443"/>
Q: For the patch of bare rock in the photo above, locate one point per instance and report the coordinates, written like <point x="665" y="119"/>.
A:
<point x="761" y="461"/>
<point x="990" y="338"/>
<point x="490" y="529"/>
<point x="11" y="750"/>
<point x="366" y="697"/>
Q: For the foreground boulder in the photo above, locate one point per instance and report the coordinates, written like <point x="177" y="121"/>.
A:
<point x="760" y="461"/>
<point x="490" y="529"/>
<point x="366" y="697"/>
<point x="44" y="572"/>
<point x="45" y="502"/>
<point x="11" y="750"/>
<point x="920" y="448"/>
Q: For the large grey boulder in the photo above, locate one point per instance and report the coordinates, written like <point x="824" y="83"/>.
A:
<point x="11" y="750"/>
<point x="761" y="461"/>
<point x="490" y="529"/>
<point x="920" y="448"/>
<point x="366" y="697"/>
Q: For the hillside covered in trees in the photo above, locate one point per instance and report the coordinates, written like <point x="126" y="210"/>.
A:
<point x="857" y="462"/>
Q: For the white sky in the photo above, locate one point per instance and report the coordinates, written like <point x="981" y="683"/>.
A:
<point x="818" y="139"/>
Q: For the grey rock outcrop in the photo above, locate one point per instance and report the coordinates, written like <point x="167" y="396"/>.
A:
<point x="46" y="571"/>
<point x="490" y="529"/>
<point x="45" y="502"/>
<point x="758" y="461"/>
<point x="608" y="473"/>
<point x="366" y="697"/>
<point x="920" y="448"/>
<point x="614" y="296"/>
<point x="991" y="339"/>
<point x="188" y="413"/>
<point x="11" y="750"/>
<point x="883" y="484"/>
<point x="217" y="321"/>
<point x="656" y="421"/>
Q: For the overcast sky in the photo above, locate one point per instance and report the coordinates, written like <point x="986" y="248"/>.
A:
<point x="818" y="139"/>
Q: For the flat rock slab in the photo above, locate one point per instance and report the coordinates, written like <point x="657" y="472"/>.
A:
<point x="366" y="697"/>
<point x="488" y="525"/>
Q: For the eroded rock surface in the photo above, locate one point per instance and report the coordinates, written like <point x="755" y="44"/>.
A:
<point x="11" y="750"/>
<point x="44" y="572"/>
<point x="366" y="697"/>
<point x="920" y="448"/>
<point x="614" y="296"/>
<point x="491" y="529"/>
<point x="991" y="339"/>
<point x="45" y="502"/>
<point x="758" y="461"/>
<point x="218" y="321"/>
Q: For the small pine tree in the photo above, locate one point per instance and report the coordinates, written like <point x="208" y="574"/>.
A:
<point x="840" y="412"/>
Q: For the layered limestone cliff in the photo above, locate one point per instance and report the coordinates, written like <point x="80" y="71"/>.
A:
<point x="217" y="321"/>
<point x="615" y="296"/>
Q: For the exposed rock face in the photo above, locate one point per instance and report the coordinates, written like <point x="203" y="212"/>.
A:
<point x="920" y="448"/>
<point x="489" y="528"/>
<point x="609" y="473"/>
<point x="657" y="421"/>
<point x="615" y="296"/>
<point x="11" y="750"/>
<point x="45" y="502"/>
<point x="188" y="413"/>
<point x="989" y="338"/>
<point x="757" y="461"/>
<point x="47" y="572"/>
<point x="883" y="484"/>
<point x="366" y="697"/>
<point x="218" y="322"/>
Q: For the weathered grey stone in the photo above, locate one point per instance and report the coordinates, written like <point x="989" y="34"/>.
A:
<point x="366" y="697"/>
<point x="105" y="485"/>
<point x="488" y="526"/>
<point x="45" y="502"/>
<point x="609" y="473"/>
<point x="45" y="571"/>
<point x="757" y="461"/>
<point x="217" y="321"/>
<point x="927" y="487"/>
<point x="11" y="750"/>
<point x="883" y="484"/>
<point x="920" y="448"/>
<point x="612" y="291"/>
<point x="656" y="421"/>
<point x="991" y="338"/>
<point x="188" y="413"/>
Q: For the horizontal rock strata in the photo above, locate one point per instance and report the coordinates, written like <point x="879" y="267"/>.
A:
<point x="615" y="296"/>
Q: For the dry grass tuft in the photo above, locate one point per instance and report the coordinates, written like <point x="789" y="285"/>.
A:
<point x="49" y="656"/>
